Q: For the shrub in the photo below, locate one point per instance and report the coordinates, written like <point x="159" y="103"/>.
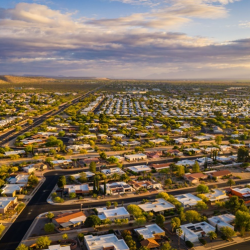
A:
<point x="202" y="241"/>
<point x="189" y="244"/>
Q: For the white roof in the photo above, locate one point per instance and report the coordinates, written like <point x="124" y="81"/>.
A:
<point x="192" y="230"/>
<point x="135" y="156"/>
<point x="158" y="205"/>
<point x="4" y="201"/>
<point x="111" y="171"/>
<point x="62" y="161"/>
<point x="149" y="230"/>
<point x="223" y="220"/>
<point x="187" y="199"/>
<point x="105" y="213"/>
<point x="20" y="178"/>
<point x="242" y="191"/>
<point x="17" y="152"/>
<point x="102" y="241"/>
<point x="11" y="188"/>
<point x="140" y="168"/>
<point x="58" y="247"/>
<point x="216" y="195"/>
<point x="78" y="219"/>
<point x="73" y="188"/>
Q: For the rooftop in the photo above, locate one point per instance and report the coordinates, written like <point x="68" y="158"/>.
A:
<point x="103" y="241"/>
<point x="158" y="205"/>
<point x="149" y="231"/>
<point x="104" y="213"/>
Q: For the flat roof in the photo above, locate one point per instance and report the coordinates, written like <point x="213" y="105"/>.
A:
<point x="103" y="241"/>
<point x="4" y="201"/>
<point x="158" y="205"/>
<point x="105" y="213"/>
<point x="11" y="188"/>
<point x="149" y="230"/>
<point x="140" y="168"/>
<point x="187" y="199"/>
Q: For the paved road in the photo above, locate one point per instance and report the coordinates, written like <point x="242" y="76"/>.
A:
<point x="12" y="134"/>
<point x="38" y="205"/>
<point x="241" y="246"/>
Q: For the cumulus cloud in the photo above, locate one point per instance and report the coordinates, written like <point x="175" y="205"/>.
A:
<point x="244" y="24"/>
<point x="35" y="39"/>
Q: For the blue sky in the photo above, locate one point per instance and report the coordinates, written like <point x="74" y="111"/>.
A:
<point x="126" y="38"/>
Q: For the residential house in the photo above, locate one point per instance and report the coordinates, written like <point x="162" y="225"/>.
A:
<point x="6" y="203"/>
<point x="159" y="205"/>
<point x="18" y="179"/>
<point x="69" y="219"/>
<point x="243" y="193"/>
<point x="192" y="232"/>
<point x="112" y="171"/>
<point x="145" y="184"/>
<point x="135" y="157"/>
<point x="187" y="200"/>
<point x="113" y="213"/>
<point x="104" y="242"/>
<point x="159" y="166"/>
<point x="219" y="174"/>
<point x="77" y="189"/>
<point x="11" y="190"/>
<point x="140" y="169"/>
<point x="223" y="220"/>
<point x="195" y="178"/>
<point x="117" y="188"/>
<point x="216" y="195"/>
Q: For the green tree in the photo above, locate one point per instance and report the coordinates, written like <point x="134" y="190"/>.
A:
<point x="212" y="235"/>
<point x="49" y="228"/>
<point x="201" y="205"/>
<point x="234" y="204"/>
<point x="32" y="180"/>
<point x="163" y="195"/>
<point x="196" y="167"/>
<point x="2" y="228"/>
<point x="218" y="139"/>
<point x="243" y="154"/>
<point x="92" y="167"/>
<point x="43" y="242"/>
<point x="192" y="216"/>
<point x="144" y="248"/>
<point x="166" y="246"/>
<point x="103" y="155"/>
<point x="92" y="221"/>
<point x="65" y="236"/>
<point x="108" y="204"/>
<point x="175" y="223"/>
<point x="22" y="247"/>
<point x="180" y="170"/>
<point x="61" y="181"/>
<point x="83" y="177"/>
<point x="242" y="221"/>
<point x="80" y="236"/>
<point x="202" y="189"/>
<point x="72" y="195"/>
<point x="61" y="133"/>
<point x="140" y="221"/>
<point x="134" y="210"/>
<point x="115" y="204"/>
<point x="230" y="182"/>
<point x="160" y="219"/>
<point x="50" y="216"/>
<point x="227" y="232"/>
<point x="168" y="182"/>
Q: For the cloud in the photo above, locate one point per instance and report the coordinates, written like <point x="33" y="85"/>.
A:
<point x="244" y="24"/>
<point x="35" y="39"/>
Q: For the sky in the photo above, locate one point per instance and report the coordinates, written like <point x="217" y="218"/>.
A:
<point x="143" y="39"/>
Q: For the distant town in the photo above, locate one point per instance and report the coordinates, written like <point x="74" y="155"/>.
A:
<point x="100" y="164"/>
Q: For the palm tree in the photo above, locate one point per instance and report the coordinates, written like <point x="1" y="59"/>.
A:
<point x="179" y="232"/>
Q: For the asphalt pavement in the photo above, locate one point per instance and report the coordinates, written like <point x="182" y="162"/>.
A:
<point x="38" y="204"/>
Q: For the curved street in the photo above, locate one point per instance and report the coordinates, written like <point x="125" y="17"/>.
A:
<point x="38" y="204"/>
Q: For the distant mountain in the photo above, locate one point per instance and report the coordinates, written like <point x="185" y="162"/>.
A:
<point x="22" y="79"/>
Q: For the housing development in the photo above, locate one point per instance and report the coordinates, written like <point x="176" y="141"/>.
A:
<point x="125" y="165"/>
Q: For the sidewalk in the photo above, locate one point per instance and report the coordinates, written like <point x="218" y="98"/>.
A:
<point x="236" y="240"/>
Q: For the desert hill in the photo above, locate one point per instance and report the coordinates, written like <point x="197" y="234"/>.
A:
<point x="22" y="79"/>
